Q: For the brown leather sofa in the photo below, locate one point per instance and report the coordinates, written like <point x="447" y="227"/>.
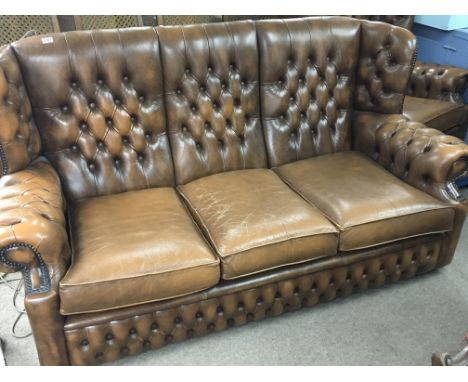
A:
<point x="164" y="183"/>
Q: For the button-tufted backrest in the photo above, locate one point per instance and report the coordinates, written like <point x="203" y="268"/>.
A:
<point x="19" y="139"/>
<point x="307" y="75"/>
<point x="212" y="98"/>
<point x="386" y="59"/>
<point x="98" y="103"/>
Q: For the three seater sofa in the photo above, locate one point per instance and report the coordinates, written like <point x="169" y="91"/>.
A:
<point x="164" y="183"/>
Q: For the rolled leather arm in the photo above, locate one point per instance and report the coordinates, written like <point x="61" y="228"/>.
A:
<point x="423" y="157"/>
<point x="33" y="238"/>
<point x="443" y="82"/>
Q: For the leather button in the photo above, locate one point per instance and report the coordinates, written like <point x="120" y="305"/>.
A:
<point x="277" y="295"/>
<point x="193" y="108"/>
<point x="303" y="115"/>
<point x="84" y="343"/>
<point x="259" y="300"/>
<point x="148" y="135"/>
<point x="74" y="84"/>
<point x="100" y="144"/>
<point x="198" y="146"/>
<point x="141" y="98"/>
<point x="207" y="126"/>
<point x="109" y="122"/>
<point x="125" y="79"/>
<point x="293" y="135"/>
<point x="132" y="331"/>
<point x="65" y="109"/>
<point x="228" y="123"/>
<point x="124" y="350"/>
<point x="242" y="83"/>
<point x="140" y="157"/>
<point x="220" y="143"/>
<point x="282" y="117"/>
<point x="109" y="337"/>
<point x="210" y="69"/>
<point x="232" y="66"/>
<point x="177" y="320"/>
<point x="202" y="88"/>
<point x="116" y="161"/>
<point x="83" y="126"/>
<point x="199" y="315"/>
<point x="187" y="70"/>
<point x="91" y="166"/>
<point x="146" y="344"/>
<point x="216" y="106"/>
<point x="168" y="338"/>
<point x="74" y="148"/>
<point x="220" y="310"/>
<point x="240" y="306"/>
<point x="117" y="101"/>
<point x="92" y="105"/>
<point x="223" y="85"/>
<point x="184" y="128"/>
<point x="100" y="81"/>
<point x="125" y="140"/>
<point x="291" y="99"/>
<point x="237" y="102"/>
<point x="134" y="119"/>
<point x="154" y="326"/>
<point x="210" y="326"/>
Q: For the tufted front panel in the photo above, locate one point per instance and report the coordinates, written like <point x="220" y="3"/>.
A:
<point x="107" y="337"/>
<point x="212" y="97"/>
<point x="97" y="98"/>
<point x="19" y="138"/>
<point x="307" y="74"/>
<point x="386" y="60"/>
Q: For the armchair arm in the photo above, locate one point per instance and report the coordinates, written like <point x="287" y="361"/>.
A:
<point x="33" y="238"/>
<point x="443" y="82"/>
<point x="423" y="157"/>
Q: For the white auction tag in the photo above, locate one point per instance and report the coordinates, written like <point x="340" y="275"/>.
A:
<point x="47" y="40"/>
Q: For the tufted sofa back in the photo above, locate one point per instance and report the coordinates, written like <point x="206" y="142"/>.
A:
<point x="121" y="110"/>
<point x="212" y="96"/>
<point x="98" y="101"/>
<point x="315" y="71"/>
<point x="307" y="76"/>
<point x="19" y="139"/>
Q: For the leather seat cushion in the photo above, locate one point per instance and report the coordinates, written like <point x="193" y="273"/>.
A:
<point x="368" y="204"/>
<point x="256" y="222"/>
<point x="133" y="248"/>
<point x="440" y="115"/>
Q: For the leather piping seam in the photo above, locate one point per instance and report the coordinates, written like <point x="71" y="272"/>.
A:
<point x="3" y="160"/>
<point x="44" y="275"/>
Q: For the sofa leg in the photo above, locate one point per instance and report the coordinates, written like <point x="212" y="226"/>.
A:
<point x="47" y="327"/>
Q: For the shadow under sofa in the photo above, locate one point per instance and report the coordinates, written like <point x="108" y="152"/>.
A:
<point x="164" y="183"/>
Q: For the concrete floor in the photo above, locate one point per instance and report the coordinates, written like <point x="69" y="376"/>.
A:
<point x="397" y="325"/>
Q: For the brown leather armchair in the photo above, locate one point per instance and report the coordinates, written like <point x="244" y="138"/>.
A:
<point x="165" y="183"/>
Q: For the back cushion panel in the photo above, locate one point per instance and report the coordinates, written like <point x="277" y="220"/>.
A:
<point x="307" y="78"/>
<point x="98" y="102"/>
<point x="212" y="97"/>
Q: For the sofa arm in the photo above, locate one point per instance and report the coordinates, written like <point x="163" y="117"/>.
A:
<point x="33" y="238"/>
<point x="423" y="157"/>
<point x="443" y="82"/>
